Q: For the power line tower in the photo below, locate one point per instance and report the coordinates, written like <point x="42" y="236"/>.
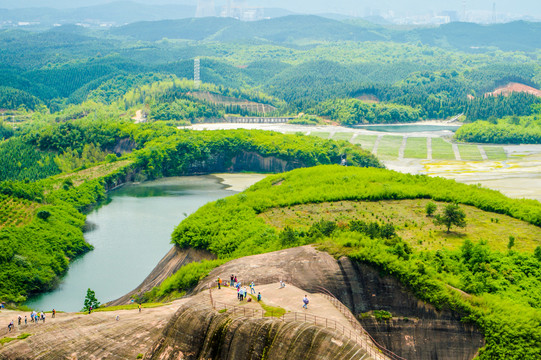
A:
<point x="196" y="73"/>
<point x="464" y="10"/>
<point x="494" y="12"/>
<point x="205" y="8"/>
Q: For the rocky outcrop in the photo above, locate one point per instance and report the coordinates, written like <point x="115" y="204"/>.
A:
<point x="243" y="161"/>
<point x="418" y="330"/>
<point x="196" y="331"/>
<point x="168" y="265"/>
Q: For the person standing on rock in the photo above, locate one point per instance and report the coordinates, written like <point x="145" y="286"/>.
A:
<point x="219" y="283"/>
<point x="140" y="307"/>
<point x="19" y="318"/>
<point x="305" y="301"/>
<point x="232" y="280"/>
<point x="10" y="326"/>
<point x="258" y="296"/>
<point x="89" y="310"/>
<point x="252" y="290"/>
<point x="25" y="320"/>
<point x="54" y="313"/>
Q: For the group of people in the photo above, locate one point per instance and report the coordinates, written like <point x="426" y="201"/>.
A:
<point x="242" y="292"/>
<point x="34" y="317"/>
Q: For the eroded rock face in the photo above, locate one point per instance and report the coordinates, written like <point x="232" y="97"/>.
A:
<point x="426" y="333"/>
<point x="168" y="265"/>
<point x="196" y="331"/>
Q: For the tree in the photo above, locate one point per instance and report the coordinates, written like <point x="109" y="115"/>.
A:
<point x="511" y="242"/>
<point x="452" y="215"/>
<point x="430" y="208"/>
<point x="43" y="214"/>
<point x="90" y="300"/>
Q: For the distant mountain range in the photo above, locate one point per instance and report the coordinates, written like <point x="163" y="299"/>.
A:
<point x="519" y="35"/>
<point x="156" y="22"/>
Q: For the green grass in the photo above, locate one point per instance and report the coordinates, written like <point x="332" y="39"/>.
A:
<point x="342" y="136"/>
<point x="129" y="307"/>
<point x="321" y="134"/>
<point x="274" y="311"/>
<point x="469" y="152"/>
<point x="10" y="339"/>
<point x="412" y="224"/>
<point x="442" y="150"/>
<point x="416" y="148"/>
<point x="495" y="153"/>
<point x="389" y="146"/>
<point x="366" y="141"/>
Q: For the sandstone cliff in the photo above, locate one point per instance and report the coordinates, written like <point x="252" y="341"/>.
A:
<point x="417" y="330"/>
<point x="196" y="331"/>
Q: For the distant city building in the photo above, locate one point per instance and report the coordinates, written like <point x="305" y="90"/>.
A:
<point x="239" y="10"/>
<point x="205" y="8"/>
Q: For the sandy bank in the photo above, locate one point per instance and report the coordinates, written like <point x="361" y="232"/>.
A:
<point x="239" y="182"/>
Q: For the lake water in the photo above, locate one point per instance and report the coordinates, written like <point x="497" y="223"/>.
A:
<point x="130" y="235"/>
<point x="410" y="128"/>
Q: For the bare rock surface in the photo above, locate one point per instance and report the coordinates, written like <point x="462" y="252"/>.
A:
<point x="83" y="336"/>
<point x="417" y="331"/>
<point x="198" y="332"/>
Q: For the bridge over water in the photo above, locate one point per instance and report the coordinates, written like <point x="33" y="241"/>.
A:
<point x="257" y="120"/>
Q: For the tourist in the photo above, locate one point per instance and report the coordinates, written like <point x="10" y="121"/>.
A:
<point x="232" y="280"/>
<point x="140" y="307"/>
<point x="32" y="316"/>
<point x="241" y="294"/>
<point x="10" y="326"/>
<point x="252" y="290"/>
<point x="19" y="318"/>
<point x="282" y="284"/>
<point x="54" y="313"/>
<point x="219" y="283"/>
<point x="258" y="296"/>
<point x="235" y="280"/>
<point x="89" y="310"/>
<point x="43" y="317"/>
<point x="25" y="320"/>
<point x="305" y="301"/>
<point x="117" y="317"/>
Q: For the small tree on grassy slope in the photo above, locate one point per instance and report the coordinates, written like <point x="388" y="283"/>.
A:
<point x="90" y="300"/>
<point x="452" y="215"/>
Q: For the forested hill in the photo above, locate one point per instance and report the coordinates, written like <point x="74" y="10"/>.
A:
<point x="514" y="36"/>
<point x="279" y="30"/>
<point x="293" y="63"/>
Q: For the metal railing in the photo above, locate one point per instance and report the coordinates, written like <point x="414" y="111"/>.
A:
<point x="345" y="331"/>
<point x="360" y="335"/>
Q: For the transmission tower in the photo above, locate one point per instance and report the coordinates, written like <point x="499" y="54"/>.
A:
<point x="464" y="10"/>
<point x="196" y="73"/>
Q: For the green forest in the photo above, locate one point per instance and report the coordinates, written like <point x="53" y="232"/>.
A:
<point x="378" y="75"/>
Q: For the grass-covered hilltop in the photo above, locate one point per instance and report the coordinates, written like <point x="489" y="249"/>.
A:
<point x="489" y="271"/>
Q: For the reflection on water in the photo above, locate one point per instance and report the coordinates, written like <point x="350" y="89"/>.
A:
<point x="130" y="235"/>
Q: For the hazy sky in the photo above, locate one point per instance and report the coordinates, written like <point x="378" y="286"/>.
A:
<point x="359" y="7"/>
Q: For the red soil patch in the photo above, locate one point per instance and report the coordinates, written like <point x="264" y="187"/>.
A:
<point x="514" y="87"/>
